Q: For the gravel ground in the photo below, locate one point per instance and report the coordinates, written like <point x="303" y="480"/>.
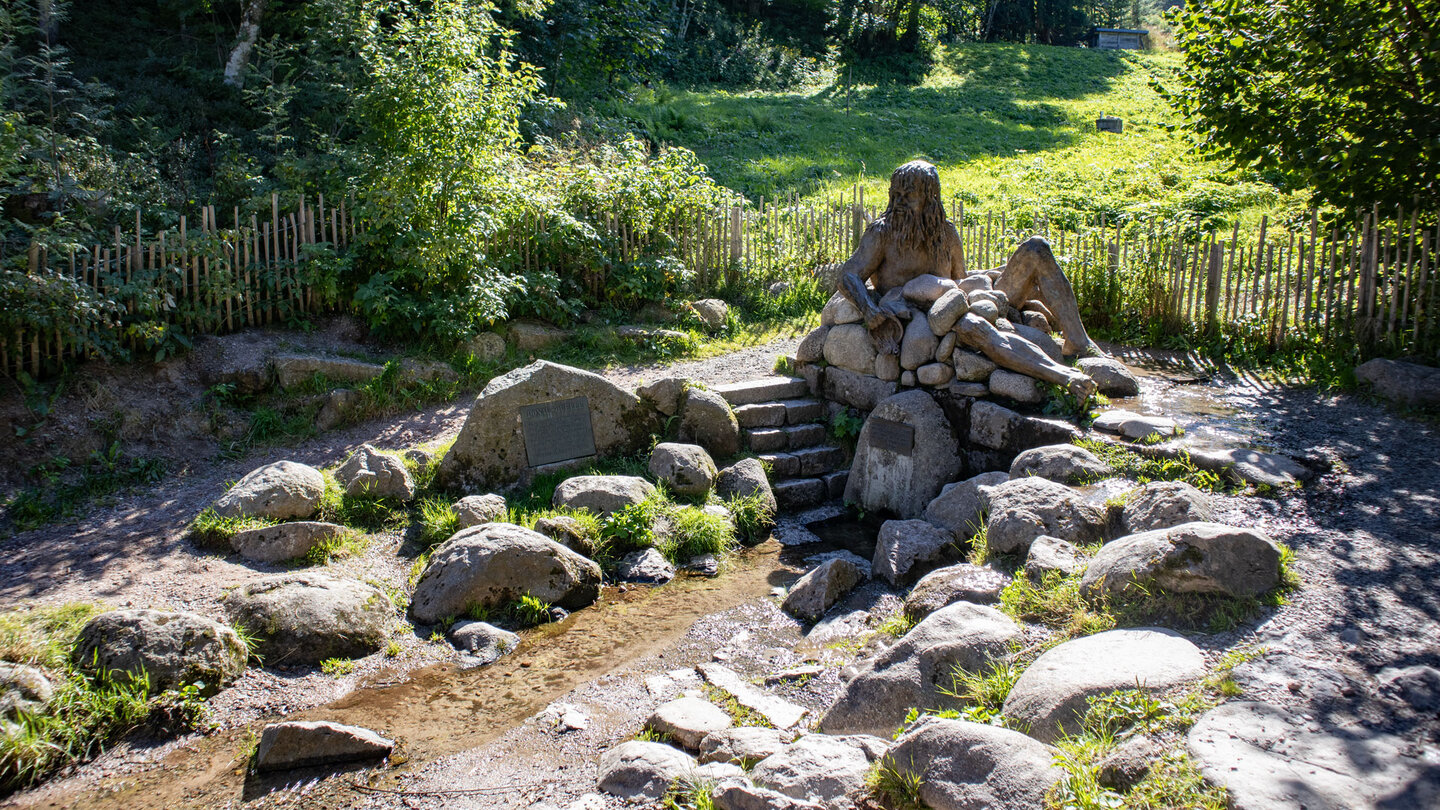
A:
<point x="1365" y="536"/>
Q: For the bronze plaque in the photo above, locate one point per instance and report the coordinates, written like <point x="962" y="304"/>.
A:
<point x="896" y="437"/>
<point x="557" y="431"/>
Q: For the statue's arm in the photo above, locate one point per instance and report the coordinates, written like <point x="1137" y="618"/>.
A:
<point x="856" y="270"/>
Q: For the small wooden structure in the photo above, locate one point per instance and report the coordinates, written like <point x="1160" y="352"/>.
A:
<point x="1113" y="39"/>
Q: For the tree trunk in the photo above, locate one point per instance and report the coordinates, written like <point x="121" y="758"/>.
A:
<point x="245" y="40"/>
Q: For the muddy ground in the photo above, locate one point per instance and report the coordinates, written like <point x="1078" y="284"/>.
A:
<point x="1366" y="534"/>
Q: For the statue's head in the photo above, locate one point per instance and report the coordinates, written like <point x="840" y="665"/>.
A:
<point x="916" y="215"/>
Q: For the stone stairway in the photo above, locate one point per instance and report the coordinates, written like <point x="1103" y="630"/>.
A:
<point x="785" y="426"/>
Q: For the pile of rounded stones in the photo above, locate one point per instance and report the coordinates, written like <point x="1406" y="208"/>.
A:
<point x="930" y="352"/>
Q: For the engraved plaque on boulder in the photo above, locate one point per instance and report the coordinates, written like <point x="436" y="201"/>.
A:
<point x="897" y="437"/>
<point x="557" y="431"/>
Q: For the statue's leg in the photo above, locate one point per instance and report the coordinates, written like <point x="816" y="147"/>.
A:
<point x="1033" y="274"/>
<point x="1015" y="353"/>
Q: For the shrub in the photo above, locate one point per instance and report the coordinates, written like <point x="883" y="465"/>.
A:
<point x="697" y="532"/>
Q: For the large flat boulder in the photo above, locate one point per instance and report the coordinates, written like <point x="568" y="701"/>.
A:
<point x="906" y="453"/>
<point x="971" y="766"/>
<point x="170" y="649"/>
<point x="283" y="541"/>
<point x="280" y="491"/>
<point x="1063" y="463"/>
<point x="1022" y="509"/>
<point x="490" y="451"/>
<point x="1268" y="758"/>
<point x="497" y="563"/>
<point x="1162" y="504"/>
<point x="1052" y="694"/>
<point x="912" y="673"/>
<point x="309" y="617"/>
<point x="1195" y="557"/>
<point x="688" y="720"/>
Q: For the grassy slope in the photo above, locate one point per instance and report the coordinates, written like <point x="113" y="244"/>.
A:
<point x="1012" y="128"/>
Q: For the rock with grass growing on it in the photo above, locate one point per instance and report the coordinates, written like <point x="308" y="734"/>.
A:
<point x="22" y="689"/>
<point x="302" y="744"/>
<point x="1022" y="509"/>
<point x="279" y="491"/>
<point x="746" y="478"/>
<point x="496" y="563"/>
<point x="169" y="649"/>
<point x="568" y="532"/>
<point x="284" y="541"/>
<point x="913" y="672"/>
<point x="371" y="472"/>
<point x="1052" y="694"/>
<point x="961" y="765"/>
<point x="1200" y="557"/>
<point x="309" y="617"/>
<point x="476" y="510"/>
<point x="1163" y="504"/>
<point x="1062" y="463"/>
<point x="687" y="720"/>
<point x="686" y="468"/>
<point x="820" y="588"/>
<point x="603" y="495"/>
<point x="962" y="582"/>
<point x="712" y="312"/>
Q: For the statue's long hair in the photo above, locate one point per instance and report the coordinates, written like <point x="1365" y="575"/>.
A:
<point x="927" y="230"/>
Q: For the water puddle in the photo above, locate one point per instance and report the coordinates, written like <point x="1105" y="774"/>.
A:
<point x="440" y="710"/>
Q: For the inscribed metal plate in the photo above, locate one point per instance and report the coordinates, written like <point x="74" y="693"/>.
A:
<point x="557" y="430"/>
<point x="896" y="437"/>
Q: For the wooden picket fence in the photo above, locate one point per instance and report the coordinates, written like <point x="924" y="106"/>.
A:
<point x="1369" y="285"/>
<point x="206" y="280"/>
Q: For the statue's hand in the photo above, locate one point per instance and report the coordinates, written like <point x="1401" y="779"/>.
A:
<point x="886" y="330"/>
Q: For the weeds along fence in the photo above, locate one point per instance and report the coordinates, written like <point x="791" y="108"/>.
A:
<point x="150" y="291"/>
<point x="1372" y="285"/>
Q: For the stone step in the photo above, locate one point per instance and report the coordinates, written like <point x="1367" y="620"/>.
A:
<point x="806" y="461"/>
<point x="795" y="494"/>
<point x="761" y="415"/>
<point x="763" y="389"/>
<point x="790" y="437"/>
<point x="803" y="411"/>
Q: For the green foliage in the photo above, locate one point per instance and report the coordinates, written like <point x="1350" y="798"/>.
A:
<point x="630" y="529"/>
<point x="846" y="425"/>
<point x="983" y="692"/>
<point x="366" y="512"/>
<point x="337" y="667"/>
<point x="211" y="531"/>
<point x="438" y="520"/>
<point x="1145" y="469"/>
<point x="741" y="714"/>
<point x="695" y="531"/>
<point x="439" y="117"/>
<point x="84" y="716"/>
<point x="62" y="487"/>
<point x="527" y="611"/>
<point x="1056" y="603"/>
<point x="1322" y="95"/>
<point x="895" y="787"/>
<point x="347" y="543"/>
<point x="897" y="625"/>
<point x="754" y="515"/>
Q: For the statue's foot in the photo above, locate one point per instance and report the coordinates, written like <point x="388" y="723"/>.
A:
<point x="1081" y="387"/>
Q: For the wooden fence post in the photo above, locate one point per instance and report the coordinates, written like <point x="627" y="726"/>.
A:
<point x="1212" y="288"/>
